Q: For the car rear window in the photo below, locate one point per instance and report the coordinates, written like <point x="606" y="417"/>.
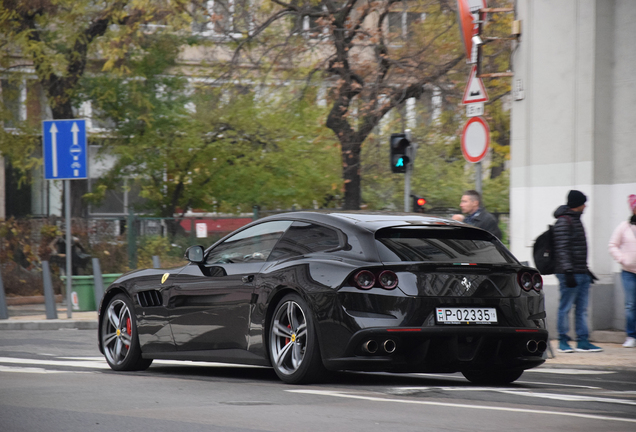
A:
<point x="440" y="244"/>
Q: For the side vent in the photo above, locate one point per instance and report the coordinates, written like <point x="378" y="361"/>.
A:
<point x="149" y="298"/>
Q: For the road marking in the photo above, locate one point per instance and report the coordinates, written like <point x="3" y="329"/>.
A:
<point x="566" y="371"/>
<point x="570" y="398"/>
<point x="557" y="384"/>
<point x="100" y="362"/>
<point x="455" y="405"/>
<point x="556" y="396"/>
<point x="66" y="363"/>
<point x="28" y="370"/>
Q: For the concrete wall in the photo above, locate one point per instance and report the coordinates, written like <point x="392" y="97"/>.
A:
<point x="574" y="129"/>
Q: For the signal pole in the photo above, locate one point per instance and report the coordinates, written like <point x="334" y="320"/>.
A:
<point x="409" y="170"/>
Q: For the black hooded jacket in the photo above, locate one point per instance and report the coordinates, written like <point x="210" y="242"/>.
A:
<point x="570" y="243"/>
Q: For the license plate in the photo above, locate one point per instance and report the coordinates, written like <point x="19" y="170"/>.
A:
<point x="457" y="315"/>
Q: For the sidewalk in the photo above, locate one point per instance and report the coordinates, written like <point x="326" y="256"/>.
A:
<point x="33" y="317"/>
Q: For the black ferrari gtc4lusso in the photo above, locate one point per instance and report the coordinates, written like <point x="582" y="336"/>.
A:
<point x="310" y="292"/>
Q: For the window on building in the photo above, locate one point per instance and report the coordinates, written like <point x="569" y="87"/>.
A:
<point x="402" y="25"/>
<point x="12" y="100"/>
<point x="307" y="24"/>
<point x="223" y="17"/>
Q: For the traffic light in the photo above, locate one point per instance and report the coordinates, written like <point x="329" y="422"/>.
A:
<point x="399" y="155"/>
<point x="418" y="204"/>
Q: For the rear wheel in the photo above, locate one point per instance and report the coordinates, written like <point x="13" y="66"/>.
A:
<point x="493" y="377"/>
<point x="119" y="336"/>
<point x="293" y="345"/>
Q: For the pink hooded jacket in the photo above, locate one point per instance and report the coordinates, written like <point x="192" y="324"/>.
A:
<point x="622" y="246"/>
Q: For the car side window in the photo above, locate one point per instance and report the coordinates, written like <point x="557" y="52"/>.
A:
<point x="303" y="238"/>
<point x="252" y="244"/>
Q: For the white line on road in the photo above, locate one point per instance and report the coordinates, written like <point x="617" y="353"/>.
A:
<point x="67" y="363"/>
<point x="28" y="370"/>
<point x="454" y="405"/>
<point x="567" y="371"/>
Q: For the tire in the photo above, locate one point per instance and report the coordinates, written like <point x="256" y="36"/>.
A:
<point x="293" y="345"/>
<point x="493" y="377"/>
<point x="118" y="334"/>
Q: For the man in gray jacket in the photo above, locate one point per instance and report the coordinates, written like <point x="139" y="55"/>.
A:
<point x="476" y="214"/>
<point x="570" y="246"/>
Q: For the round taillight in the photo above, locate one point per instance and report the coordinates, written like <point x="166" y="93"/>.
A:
<point x="388" y="279"/>
<point x="364" y="279"/>
<point x="537" y="282"/>
<point x="525" y="280"/>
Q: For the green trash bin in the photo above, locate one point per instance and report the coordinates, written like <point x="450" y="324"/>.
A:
<point x="82" y="293"/>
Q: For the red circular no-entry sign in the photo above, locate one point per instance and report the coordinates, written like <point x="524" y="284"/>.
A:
<point x="475" y="139"/>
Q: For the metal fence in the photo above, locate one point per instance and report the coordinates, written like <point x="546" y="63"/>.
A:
<point x="120" y="244"/>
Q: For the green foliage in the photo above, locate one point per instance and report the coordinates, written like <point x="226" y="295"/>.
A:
<point x="217" y="148"/>
<point x="150" y="246"/>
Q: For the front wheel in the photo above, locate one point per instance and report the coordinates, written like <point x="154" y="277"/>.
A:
<point x="492" y="377"/>
<point x="293" y="345"/>
<point x="119" y="337"/>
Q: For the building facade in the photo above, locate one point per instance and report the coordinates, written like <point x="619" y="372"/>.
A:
<point x="573" y="127"/>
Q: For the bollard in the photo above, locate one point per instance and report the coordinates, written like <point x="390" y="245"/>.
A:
<point x="98" y="282"/>
<point x="155" y="261"/>
<point x="4" y="312"/>
<point x="49" y="295"/>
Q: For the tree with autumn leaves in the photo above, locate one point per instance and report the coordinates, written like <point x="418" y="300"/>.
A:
<point x="362" y="59"/>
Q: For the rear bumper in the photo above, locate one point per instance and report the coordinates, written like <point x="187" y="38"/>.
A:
<point x="442" y="349"/>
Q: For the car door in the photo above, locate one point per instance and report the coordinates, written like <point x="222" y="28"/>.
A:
<point x="212" y="302"/>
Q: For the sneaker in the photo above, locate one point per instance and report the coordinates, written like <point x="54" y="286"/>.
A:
<point x="564" y="347"/>
<point x="630" y="342"/>
<point x="586" y="346"/>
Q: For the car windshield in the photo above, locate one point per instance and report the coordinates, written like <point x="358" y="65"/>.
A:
<point x="440" y="244"/>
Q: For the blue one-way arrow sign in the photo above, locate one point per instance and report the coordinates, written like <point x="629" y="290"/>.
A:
<point x="64" y="149"/>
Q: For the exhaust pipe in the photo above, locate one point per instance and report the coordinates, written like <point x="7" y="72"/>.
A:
<point x="389" y="346"/>
<point x="531" y="346"/>
<point x="370" y="346"/>
<point x="542" y="346"/>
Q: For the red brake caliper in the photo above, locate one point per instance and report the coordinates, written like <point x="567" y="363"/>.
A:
<point x="128" y="328"/>
<point x="288" y="340"/>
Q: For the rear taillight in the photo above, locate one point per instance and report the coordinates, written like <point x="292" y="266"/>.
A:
<point x="537" y="282"/>
<point x="364" y="279"/>
<point x="388" y="279"/>
<point x="530" y="281"/>
<point x="525" y="281"/>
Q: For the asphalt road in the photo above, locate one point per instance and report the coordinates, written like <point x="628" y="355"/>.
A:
<point x="57" y="381"/>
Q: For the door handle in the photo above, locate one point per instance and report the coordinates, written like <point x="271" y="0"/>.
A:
<point x="248" y="278"/>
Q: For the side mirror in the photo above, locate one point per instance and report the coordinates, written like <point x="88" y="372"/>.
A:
<point x="194" y="254"/>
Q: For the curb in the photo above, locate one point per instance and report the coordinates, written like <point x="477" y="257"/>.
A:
<point x="52" y="324"/>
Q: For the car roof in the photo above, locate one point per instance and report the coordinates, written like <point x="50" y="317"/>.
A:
<point x="360" y="227"/>
<point x="370" y="221"/>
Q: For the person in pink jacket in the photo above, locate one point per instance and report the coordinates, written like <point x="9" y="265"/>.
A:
<point x="622" y="246"/>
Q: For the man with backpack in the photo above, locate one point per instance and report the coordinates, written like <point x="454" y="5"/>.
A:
<point x="570" y="251"/>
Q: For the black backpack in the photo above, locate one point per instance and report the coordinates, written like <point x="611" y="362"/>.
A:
<point x="543" y="252"/>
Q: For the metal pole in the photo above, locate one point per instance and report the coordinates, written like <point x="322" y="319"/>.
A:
<point x="4" y="311"/>
<point x="132" y="241"/>
<point x="478" y="177"/>
<point x="69" y="256"/>
<point x="409" y="171"/>
<point x="49" y="296"/>
<point x="156" y="262"/>
<point x="98" y="281"/>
